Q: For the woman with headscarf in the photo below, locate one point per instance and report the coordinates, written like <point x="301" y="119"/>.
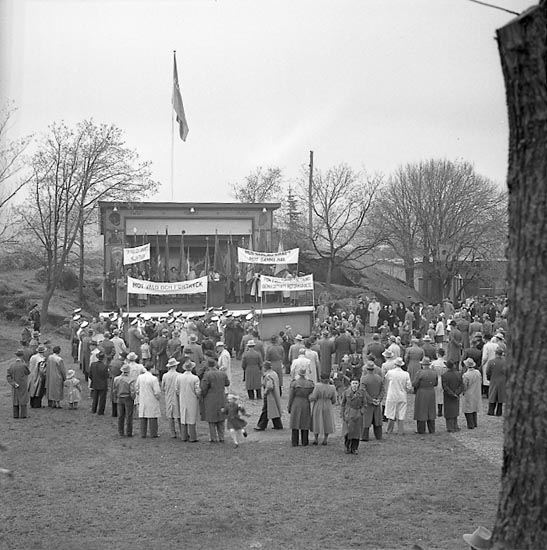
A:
<point x="323" y="397"/>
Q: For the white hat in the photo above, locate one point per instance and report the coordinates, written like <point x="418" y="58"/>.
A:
<point x="249" y="316"/>
<point x="77" y="310"/>
<point x="170" y="311"/>
<point x="76" y="317"/>
<point x="135" y="321"/>
<point x="84" y="324"/>
<point x="251" y="343"/>
<point x="298" y="337"/>
<point x="214" y="318"/>
<point x="219" y="343"/>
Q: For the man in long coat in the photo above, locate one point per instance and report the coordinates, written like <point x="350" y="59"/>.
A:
<point x="251" y="363"/>
<point x="424" y="404"/>
<point x="496" y="374"/>
<point x="188" y="392"/>
<point x="398" y="385"/>
<point x="214" y="400"/>
<point x="352" y="409"/>
<point x="373" y="386"/>
<point x="148" y="392"/>
<point x="158" y="348"/>
<point x="17" y="377"/>
<point x="271" y="408"/>
<point x="55" y="378"/>
<point x="472" y="382"/>
<point x="452" y="388"/>
<point x="455" y="344"/>
<point x="169" y="388"/>
<point x="99" y="375"/>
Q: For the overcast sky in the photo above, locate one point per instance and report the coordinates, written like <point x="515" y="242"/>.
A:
<point x="372" y="83"/>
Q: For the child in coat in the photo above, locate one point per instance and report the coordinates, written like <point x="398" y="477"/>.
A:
<point x="72" y="390"/>
<point x="236" y="424"/>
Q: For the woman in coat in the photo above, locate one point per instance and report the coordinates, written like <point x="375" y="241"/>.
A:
<point x="299" y="407"/>
<point x="472" y="382"/>
<point x="352" y="410"/>
<point x="149" y="392"/>
<point x="424" y="403"/>
<point x="323" y="397"/>
<point x="452" y="388"/>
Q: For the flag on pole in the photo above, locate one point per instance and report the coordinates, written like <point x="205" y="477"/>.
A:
<point x="177" y="102"/>
<point x="216" y="255"/>
<point x="206" y="268"/>
<point x="182" y="259"/>
<point x="167" y="266"/>
<point x="158" y="262"/>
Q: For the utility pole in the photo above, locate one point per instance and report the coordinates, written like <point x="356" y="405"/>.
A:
<point x="310" y="186"/>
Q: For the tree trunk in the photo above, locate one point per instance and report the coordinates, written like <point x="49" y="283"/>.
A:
<point x="409" y="271"/>
<point x="81" y="296"/>
<point x="329" y="273"/>
<point x="44" y="312"/>
<point x="521" y="521"/>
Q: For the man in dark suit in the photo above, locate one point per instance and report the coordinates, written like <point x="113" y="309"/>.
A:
<point x="98" y="373"/>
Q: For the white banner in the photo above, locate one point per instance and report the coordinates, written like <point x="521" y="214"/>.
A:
<point x="275" y="284"/>
<point x="251" y="257"/>
<point x="194" y="286"/>
<point x="136" y="255"/>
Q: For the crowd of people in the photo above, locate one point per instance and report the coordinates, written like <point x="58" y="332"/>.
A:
<point x="448" y="357"/>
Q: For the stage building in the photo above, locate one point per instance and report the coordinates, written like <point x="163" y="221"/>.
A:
<point x="189" y="240"/>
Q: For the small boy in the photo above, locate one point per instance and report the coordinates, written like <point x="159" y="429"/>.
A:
<point x="235" y="423"/>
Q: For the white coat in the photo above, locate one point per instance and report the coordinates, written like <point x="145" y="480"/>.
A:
<point x="149" y="393"/>
<point x="472" y="381"/>
<point x="399" y="385"/>
<point x="439" y="366"/>
<point x="169" y="388"/>
<point x="188" y="392"/>
<point x="374" y="310"/>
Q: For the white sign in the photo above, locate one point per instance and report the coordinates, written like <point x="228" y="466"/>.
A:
<point x="251" y="257"/>
<point x="136" y="255"/>
<point x="275" y="284"/>
<point x="194" y="286"/>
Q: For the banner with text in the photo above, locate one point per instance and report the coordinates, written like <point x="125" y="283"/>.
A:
<point x="136" y="255"/>
<point x="251" y="257"/>
<point x="194" y="286"/>
<point x="275" y="284"/>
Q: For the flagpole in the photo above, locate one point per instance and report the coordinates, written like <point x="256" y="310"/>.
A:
<point x="172" y="142"/>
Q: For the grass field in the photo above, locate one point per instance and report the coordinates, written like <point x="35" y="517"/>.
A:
<point x="77" y="485"/>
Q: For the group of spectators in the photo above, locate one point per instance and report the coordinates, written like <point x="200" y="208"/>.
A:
<point x="448" y="361"/>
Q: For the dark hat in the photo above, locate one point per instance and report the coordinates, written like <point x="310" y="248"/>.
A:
<point x="371" y="366"/>
<point x="20" y="352"/>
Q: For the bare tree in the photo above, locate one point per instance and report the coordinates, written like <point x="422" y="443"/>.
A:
<point x="72" y="170"/>
<point x="521" y="522"/>
<point x="260" y="186"/>
<point x="342" y="201"/>
<point x="448" y="214"/>
<point x="12" y="176"/>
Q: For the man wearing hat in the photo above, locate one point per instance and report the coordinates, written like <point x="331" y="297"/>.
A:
<point x="85" y="349"/>
<point x="194" y="350"/>
<point x="188" y="393"/>
<point x="496" y="373"/>
<point x="212" y="388"/>
<point x="17" y="377"/>
<point x="123" y="389"/>
<point x="149" y="392"/>
<point x="398" y="386"/>
<point x="295" y="348"/>
<point x="352" y="408"/>
<point x="375" y="348"/>
<point x="424" y="403"/>
<point x="472" y="382"/>
<point x="301" y="362"/>
<point x="37" y="377"/>
<point x="452" y="388"/>
<point x="169" y="389"/>
<point x="372" y="384"/>
<point x="158" y="348"/>
<point x="98" y="374"/>
<point x="429" y="349"/>
<point x="251" y="363"/>
<point x="299" y="407"/>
